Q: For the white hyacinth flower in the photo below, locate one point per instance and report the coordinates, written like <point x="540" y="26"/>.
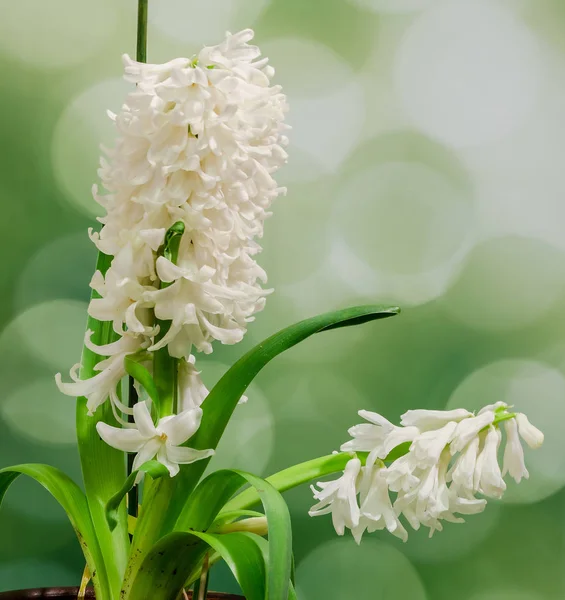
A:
<point x="425" y="420"/>
<point x="339" y="497"/>
<point x="377" y="512"/>
<point x="488" y="476"/>
<point x="378" y="437"/>
<point x="192" y="392"/>
<point x="530" y="434"/>
<point x="463" y="471"/>
<point x="513" y="462"/>
<point x="103" y="385"/>
<point x="162" y="441"/>
<point x="199" y="140"/>
<point x="452" y="458"/>
<point x="468" y="429"/>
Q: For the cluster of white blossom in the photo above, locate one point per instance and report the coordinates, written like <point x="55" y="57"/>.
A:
<point x="199" y="140"/>
<point x="452" y="458"/>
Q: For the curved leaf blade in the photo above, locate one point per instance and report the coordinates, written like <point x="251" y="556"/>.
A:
<point x="175" y="558"/>
<point x="153" y="468"/>
<point x="207" y="500"/>
<point x="103" y="467"/>
<point x="223" y="398"/>
<point x="225" y="395"/>
<point x="142" y="375"/>
<point x="72" y="499"/>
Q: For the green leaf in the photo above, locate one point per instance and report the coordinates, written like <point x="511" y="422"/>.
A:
<point x="71" y="498"/>
<point x="234" y="515"/>
<point x="303" y="473"/>
<point x="103" y="467"/>
<point x="202" y="507"/>
<point x="290" y="478"/>
<point x="172" y="241"/>
<point x="264" y="546"/>
<point x="176" y="558"/>
<point x="153" y="468"/>
<point x="225" y="395"/>
<point x="222" y="400"/>
<point x="142" y="375"/>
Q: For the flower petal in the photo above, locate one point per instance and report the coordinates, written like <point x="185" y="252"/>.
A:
<point x="143" y="420"/>
<point x="127" y="440"/>
<point x="184" y="456"/>
<point x="181" y="427"/>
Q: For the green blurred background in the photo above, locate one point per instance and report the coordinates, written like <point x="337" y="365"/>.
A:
<point x="426" y="170"/>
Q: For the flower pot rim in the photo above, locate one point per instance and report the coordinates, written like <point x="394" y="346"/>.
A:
<point x="70" y="593"/>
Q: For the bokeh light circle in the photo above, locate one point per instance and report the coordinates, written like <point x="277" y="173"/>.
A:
<point x="55" y="33"/>
<point x="403" y="218"/>
<point x="84" y="124"/>
<point x="60" y="269"/>
<point x="38" y="411"/>
<point x="401" y="229"/>
<point x="393" y="6"/>
<point x="337" y="568"/>
<point x="507" y="283"/>
<point x="204" y="23"/>
<point x="538" y="391"/>
<point x="52" y="332"/>
<point x="450" y="83"/>
<point x="507" y="594"/>
<point x="248" y="440"/>
<point x="327" y="119"/>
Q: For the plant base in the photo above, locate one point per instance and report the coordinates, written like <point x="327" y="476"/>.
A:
<point x="70" y="593"/>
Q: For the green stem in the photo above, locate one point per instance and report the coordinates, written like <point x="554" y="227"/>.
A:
<point x="142" y="10"/>
<point x="305" y="472"/>
<point x="293" y="477"/>
<point x="141" y="56"/>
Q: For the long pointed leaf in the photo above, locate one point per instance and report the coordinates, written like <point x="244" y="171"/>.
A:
<point x="177" y="556"/>
<point x="103" y="467"/>
<point x="170" y="495"/>
<point x="71" y="498"/>
<point x="153" y="468"/>
<point x="203" y="506"/>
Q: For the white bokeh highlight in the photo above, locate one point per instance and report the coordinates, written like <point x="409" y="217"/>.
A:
<point x="75" y="149"/>
<point x="327" y="119"/>
<point x="393" y="6"/>
<point x="538" y="390"/>
<point x="507" y="283"/>
<point x="38" y="412"/>
<point x="468" y="73"/>
<point x="400" y="230"/>
<point x="334" y="569"/>
<point x="51" y="332"/>
<point x="55" y="33"/>
<point x="204" y="23"/>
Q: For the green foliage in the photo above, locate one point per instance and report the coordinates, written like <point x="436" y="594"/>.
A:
<point x="223" y="398"/>
<point x="153" y="468"/>
<point x="173" y="560"/>
<point x="207" y="500"/>
<point x="142" y="375"/>
<point x="71" y="498"/>
<point x="103" y="467"/>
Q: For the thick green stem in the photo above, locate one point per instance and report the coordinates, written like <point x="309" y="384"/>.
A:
<point x="142" y="10"/>
<point x="141" y="56"/>
<point x="293" y="477"/>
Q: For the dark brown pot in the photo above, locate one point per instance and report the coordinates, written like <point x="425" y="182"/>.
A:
<point x="70" y="593"/>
